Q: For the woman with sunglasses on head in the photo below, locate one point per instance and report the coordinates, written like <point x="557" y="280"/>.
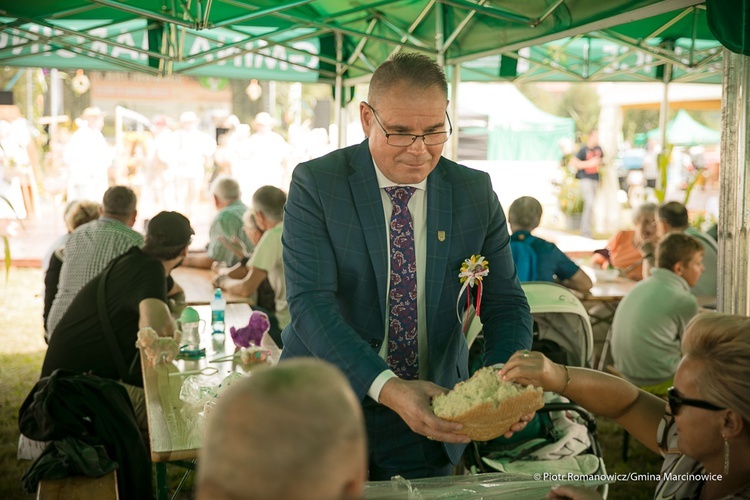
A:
<point x="703" y="430"/>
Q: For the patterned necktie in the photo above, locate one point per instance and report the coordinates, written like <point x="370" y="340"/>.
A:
<point x="402" y="292"/>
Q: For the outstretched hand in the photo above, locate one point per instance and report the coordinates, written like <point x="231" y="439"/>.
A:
<point x="235" y="245"/>
<point x="534" y="368"/>
<point x="411" y="399"/>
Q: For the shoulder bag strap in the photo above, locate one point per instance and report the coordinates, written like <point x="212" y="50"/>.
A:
<point x="109" y="333"/>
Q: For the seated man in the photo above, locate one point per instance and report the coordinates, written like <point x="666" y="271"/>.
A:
<point x="294" y="431"/>
<point x="93" y="245"/>
<point x="673" y="216"/>
<point x="268" y="211"/>
<point x="226" y="224"/>
<point x="135" y="296"/>
<point x="551" y="264"/>
<point x="648" y="324"/>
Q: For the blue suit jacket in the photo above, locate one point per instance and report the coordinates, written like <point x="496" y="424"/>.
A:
<point x="336" y="260"/>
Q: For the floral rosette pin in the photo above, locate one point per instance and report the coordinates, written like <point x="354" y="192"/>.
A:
<point x="473" y="270"/>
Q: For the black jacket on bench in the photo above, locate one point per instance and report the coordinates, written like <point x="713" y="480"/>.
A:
<point x="96" y="411"/>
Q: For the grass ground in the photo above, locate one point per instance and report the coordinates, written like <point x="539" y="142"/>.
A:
<point x="22" y="351"/>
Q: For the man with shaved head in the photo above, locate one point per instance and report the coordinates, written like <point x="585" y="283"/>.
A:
<point x="294" y="431"/>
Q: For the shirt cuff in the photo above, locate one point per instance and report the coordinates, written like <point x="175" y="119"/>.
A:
<point x="378" y="383"/>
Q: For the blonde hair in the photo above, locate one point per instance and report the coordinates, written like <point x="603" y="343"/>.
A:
<point x="81" y="212"/>
<point x="721" y="342"/>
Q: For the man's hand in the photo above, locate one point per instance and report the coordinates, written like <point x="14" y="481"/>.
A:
<point x="218" y="279"/>
<point x="520" y="425"/>
<point x="235" y="245"/>
<point x="411" y="399"/>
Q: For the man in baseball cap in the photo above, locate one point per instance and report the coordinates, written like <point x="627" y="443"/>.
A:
<point x="167" y="231"/>
<point x="136" y="286"/>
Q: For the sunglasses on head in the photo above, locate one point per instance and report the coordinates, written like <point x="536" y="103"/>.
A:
<point x="675" y="401"/>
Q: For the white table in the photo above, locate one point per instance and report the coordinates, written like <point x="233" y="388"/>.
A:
<point x="173" y="439"/>
<point x="198" y="287"/>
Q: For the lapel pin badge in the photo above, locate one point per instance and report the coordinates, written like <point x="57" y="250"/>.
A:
<point x="441" y="235"/>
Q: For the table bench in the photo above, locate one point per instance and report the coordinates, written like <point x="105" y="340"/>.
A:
<point x="79" y="488"/>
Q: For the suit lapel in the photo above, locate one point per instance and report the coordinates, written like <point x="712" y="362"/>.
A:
<point x="439" y="222"/>
<point x="369" y="206"/>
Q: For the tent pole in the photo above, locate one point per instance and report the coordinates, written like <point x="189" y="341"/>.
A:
<point x="664" y="108"/>
<point x="55" y="108"/>
<point x="338" y="93"/>
<point x="452" y="152"/>
<point x="29" y="94"/>
<point x="734" y="180"/>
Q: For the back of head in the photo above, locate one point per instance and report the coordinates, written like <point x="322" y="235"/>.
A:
<point x="119" y="202"/>
<point x="270" y="201"/>
<point x="226" y="188"/>
<point x="167" y="235"/>
<point x="674" y="214"/>
<point x="294" y="431"/>
<point x="416" y="70"/>
<point x="81" y="212"/>
<point x="525" y="213"/>
<point x="721" y="342"/>
<point x="676" y="247"/>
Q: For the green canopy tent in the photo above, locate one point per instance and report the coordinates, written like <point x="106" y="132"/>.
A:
<point x="516" y="130"/>
<point x="683" y="130"/>
<point x="306" y="40"/>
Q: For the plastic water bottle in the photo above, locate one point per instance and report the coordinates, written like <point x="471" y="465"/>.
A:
<point x="218" y="306"/>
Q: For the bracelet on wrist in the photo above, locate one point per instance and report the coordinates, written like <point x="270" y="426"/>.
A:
<point x="567" y="379"/>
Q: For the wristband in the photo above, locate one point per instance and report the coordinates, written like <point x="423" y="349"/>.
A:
<point x="567" y="379"/>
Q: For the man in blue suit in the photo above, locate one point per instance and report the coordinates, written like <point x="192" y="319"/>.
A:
<point x="339" y="266"/>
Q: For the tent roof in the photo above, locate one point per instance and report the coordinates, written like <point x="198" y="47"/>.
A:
<point x="308" y="40"/>
<point x="683" y="130"/>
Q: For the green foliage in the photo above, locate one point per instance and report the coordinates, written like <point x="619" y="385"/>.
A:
<point x="569" y="196"/>
<point x="662" y="164"/>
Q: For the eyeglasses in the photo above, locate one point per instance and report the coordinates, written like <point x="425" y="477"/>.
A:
<point x="675" y="401"/>
<point x="405" y="140"/>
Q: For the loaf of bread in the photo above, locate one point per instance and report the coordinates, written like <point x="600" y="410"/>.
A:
<point x="486" y="405"/>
